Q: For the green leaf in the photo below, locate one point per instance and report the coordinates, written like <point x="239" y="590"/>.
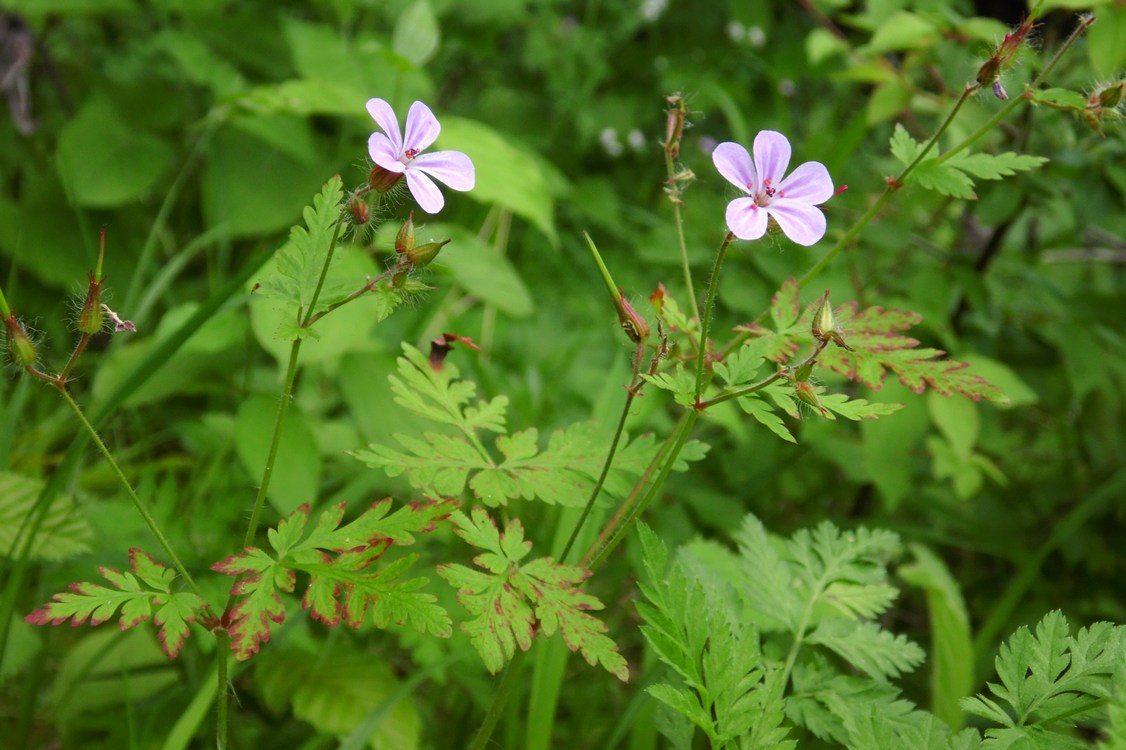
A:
<point x="64" y="532"/>
<point x="104" y="162"/>
<point x="766" y="416"/>
<point x="943" y="179"/>
<point x="856" y="408"/>
<point x="297" y="466"/>
<point x="867" y="647"/>
<point x="995" y="166"/>
<point x="903" y="147"/>
<point x="784" y="307"/>
<point x="877" y="346"/>
<point x="1049" y="678"/>
<point x="902" y="30"/>
<point x="482" y="271"/>
<point x="508" y="174"/>
<point x="335" y="689"/>
<point x="1106" y="42"/>
<point x="952" y="661"/>
<point x="1063" y="98"/>
<point x="345" y="581"/>
<point x="680" y="382"/>
<point x="300" y="261"/>
<point x="416" y="34"/>
<point x="511" y="600"/>
<point x="143" y="594"/>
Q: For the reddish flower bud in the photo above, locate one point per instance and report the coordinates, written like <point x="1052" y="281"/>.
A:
<point x="360" y="211"/>
<point x="632" y="323"/>
<point x="20" y="348"/>
<point x="381" y="180"/>
<point x="91" y="318"/>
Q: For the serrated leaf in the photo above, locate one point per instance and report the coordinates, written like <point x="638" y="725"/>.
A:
<point x="765" y="415"/>
<point x="857" y="408"/>
<point x="878" y="345"/>
<point x="63" y="533"/>
<point x="680" y="383"/>
<point x="511" y="600"/>
<point x="784" y="307"/>
<point x="347" y="576"/>
<point x="903" y="146"/>
<point x="995" y="166"/>
<point x="299" y="262"/>
<point x="171" y="612"/>
<point x="867" y="647"/>
<point x="943" y="179"/>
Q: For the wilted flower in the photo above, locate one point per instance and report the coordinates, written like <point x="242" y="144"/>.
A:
<point x="791" y="201"/>
<point x="402" y="154"/>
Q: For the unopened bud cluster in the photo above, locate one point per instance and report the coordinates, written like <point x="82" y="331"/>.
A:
<point x="1003" y="57"/>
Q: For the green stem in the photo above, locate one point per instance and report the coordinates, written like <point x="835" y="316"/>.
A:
<point x="747" y="390"/>
<point x="706" y="320"/>
<point x="1084" y="24"/>
<point x="500" y="698"/>
<point x="678" y="222"/>
<point x="275" y="444"/>
<point x="605" y="472"/>
<point x="309" y="314"/>
<point x="149" y="520"/>
<point x="222" y="709"/>
<point x="4" y="309"/>
<point x="893" y="185"/>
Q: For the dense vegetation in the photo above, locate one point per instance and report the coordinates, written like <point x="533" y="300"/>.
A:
<point x="602" y="471"/>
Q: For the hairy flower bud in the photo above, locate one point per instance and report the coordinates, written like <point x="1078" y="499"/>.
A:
<point x="91" y="318"/>
<point x="20" y="348"/>
<point x="632" y="323"/>
<point x="421" y="256"/>
<point x="359" y="210"/>
<point x="381" y="180"/>
<point x="805" y="393"/>
<point x="404" y="240"/>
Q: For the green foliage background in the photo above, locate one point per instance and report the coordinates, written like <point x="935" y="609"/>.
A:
<point x="195" y="131"/>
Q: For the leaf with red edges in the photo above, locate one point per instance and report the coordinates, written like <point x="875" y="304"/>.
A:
<point x="136" y="594"/>
<point x="511" y="601"/>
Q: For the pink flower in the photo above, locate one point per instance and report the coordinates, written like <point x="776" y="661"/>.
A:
<point x="403" y="155"/>
<point x="791" y="201"/>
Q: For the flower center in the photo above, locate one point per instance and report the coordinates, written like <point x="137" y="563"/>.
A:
<point x="410" y="153"/>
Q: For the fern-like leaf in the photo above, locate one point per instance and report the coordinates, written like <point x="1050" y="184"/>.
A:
<point x="878" y="346"/>
<point x="143" y="593"/>
<point x="511" y="600"/>
<point x="345" y="581"/>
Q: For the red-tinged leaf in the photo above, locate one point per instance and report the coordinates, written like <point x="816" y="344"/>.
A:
<point x="878" y="347"/>
<point x="251" y="617"/>
<point x="289" y="530"/>
<point x="173" y="615"/>
<point x="255" y="561"/>
<point x="511" y="601"/>
<point x="784" y="307"/>
<point x="98" y="604"/>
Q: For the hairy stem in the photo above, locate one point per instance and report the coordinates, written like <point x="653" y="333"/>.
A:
<point x="148" y="518"/>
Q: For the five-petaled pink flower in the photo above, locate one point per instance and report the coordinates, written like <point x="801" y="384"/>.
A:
<point x="402" y="154"/>
<point x="791" y="201"/>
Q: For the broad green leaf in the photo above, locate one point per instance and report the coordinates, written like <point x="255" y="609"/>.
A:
<point x="104" y="163"/>
<point x="297" y="468"/>
<point x="508" y="174"/>
<point x="480" y="270"/>
<point x="64" y="532"/>
<point x="416" y="34"/>
<point x="951" y="660"/>
<point x="959" y="421"/>
<point x="1106" y="42"/>
<point x="903" y="30"/>
<point x="1060" y="98"/>
<point x="335" y="691"/>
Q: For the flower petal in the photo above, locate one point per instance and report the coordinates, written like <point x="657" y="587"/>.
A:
<point x="810" y="183"/>
<point x="734" y="163"/>
<point x="802" y="222"/>
<point x="451" y="167"/>
<point x="384" y="153"/>
<point x="424" y="190"/>
<point x="384" y="117"/>
<point x="772" y="156"/>
<point x="745" y="219"/>
<point x="422" y="127"/>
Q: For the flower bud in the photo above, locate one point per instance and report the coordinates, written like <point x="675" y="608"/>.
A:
<point x="632" y="323"/>
<point x="91" y="318"/>
<point x="1111" y="96"/>
<point x="805" y="393"/>
<point x="20" y="348"/>
<point x="404" y="240"/>
<point x="381" y="180"/>
<point x="360" y="210"/>
<point x="823" y="320"/>
<point x="421" y="256"/>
